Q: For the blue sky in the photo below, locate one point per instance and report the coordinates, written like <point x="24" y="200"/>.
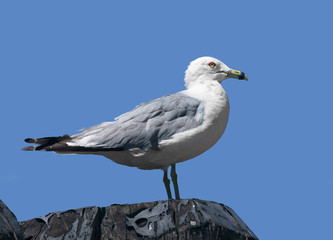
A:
<point x="66" y="65"/>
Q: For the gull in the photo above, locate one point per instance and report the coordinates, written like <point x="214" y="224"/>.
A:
<point x="162" y="132"/>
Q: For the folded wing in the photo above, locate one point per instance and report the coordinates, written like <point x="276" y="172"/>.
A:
<point x="144" y="127"/>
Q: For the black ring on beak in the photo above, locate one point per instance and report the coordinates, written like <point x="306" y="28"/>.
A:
<point x="242" y="76"/>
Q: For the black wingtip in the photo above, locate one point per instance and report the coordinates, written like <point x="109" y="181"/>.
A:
<point x="44" y="143"/>
<point x="30" y="140"/>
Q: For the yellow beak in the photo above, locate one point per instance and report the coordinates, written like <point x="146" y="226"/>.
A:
<point x="237" y="74"/>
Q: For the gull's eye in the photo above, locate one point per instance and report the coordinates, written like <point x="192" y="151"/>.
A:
<point x="211" y="64"/>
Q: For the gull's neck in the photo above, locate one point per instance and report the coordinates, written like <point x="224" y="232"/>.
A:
<point x="205" y="89"/>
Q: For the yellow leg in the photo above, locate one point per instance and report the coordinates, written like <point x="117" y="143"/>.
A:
<point x="167" y="184"/>
<point x="174" y="180"/>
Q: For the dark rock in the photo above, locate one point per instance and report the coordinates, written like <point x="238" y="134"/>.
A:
<point x="9" y="227"/>
<point x="175" y="219"/>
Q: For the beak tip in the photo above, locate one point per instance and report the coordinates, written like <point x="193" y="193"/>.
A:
<point x="243" y="76"/>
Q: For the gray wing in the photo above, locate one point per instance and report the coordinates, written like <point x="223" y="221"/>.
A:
<point x="146" y="125"/>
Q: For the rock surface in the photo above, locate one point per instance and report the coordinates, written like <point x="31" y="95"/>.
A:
<point x="174" y="219"/>
<point x="9" y="227"/>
